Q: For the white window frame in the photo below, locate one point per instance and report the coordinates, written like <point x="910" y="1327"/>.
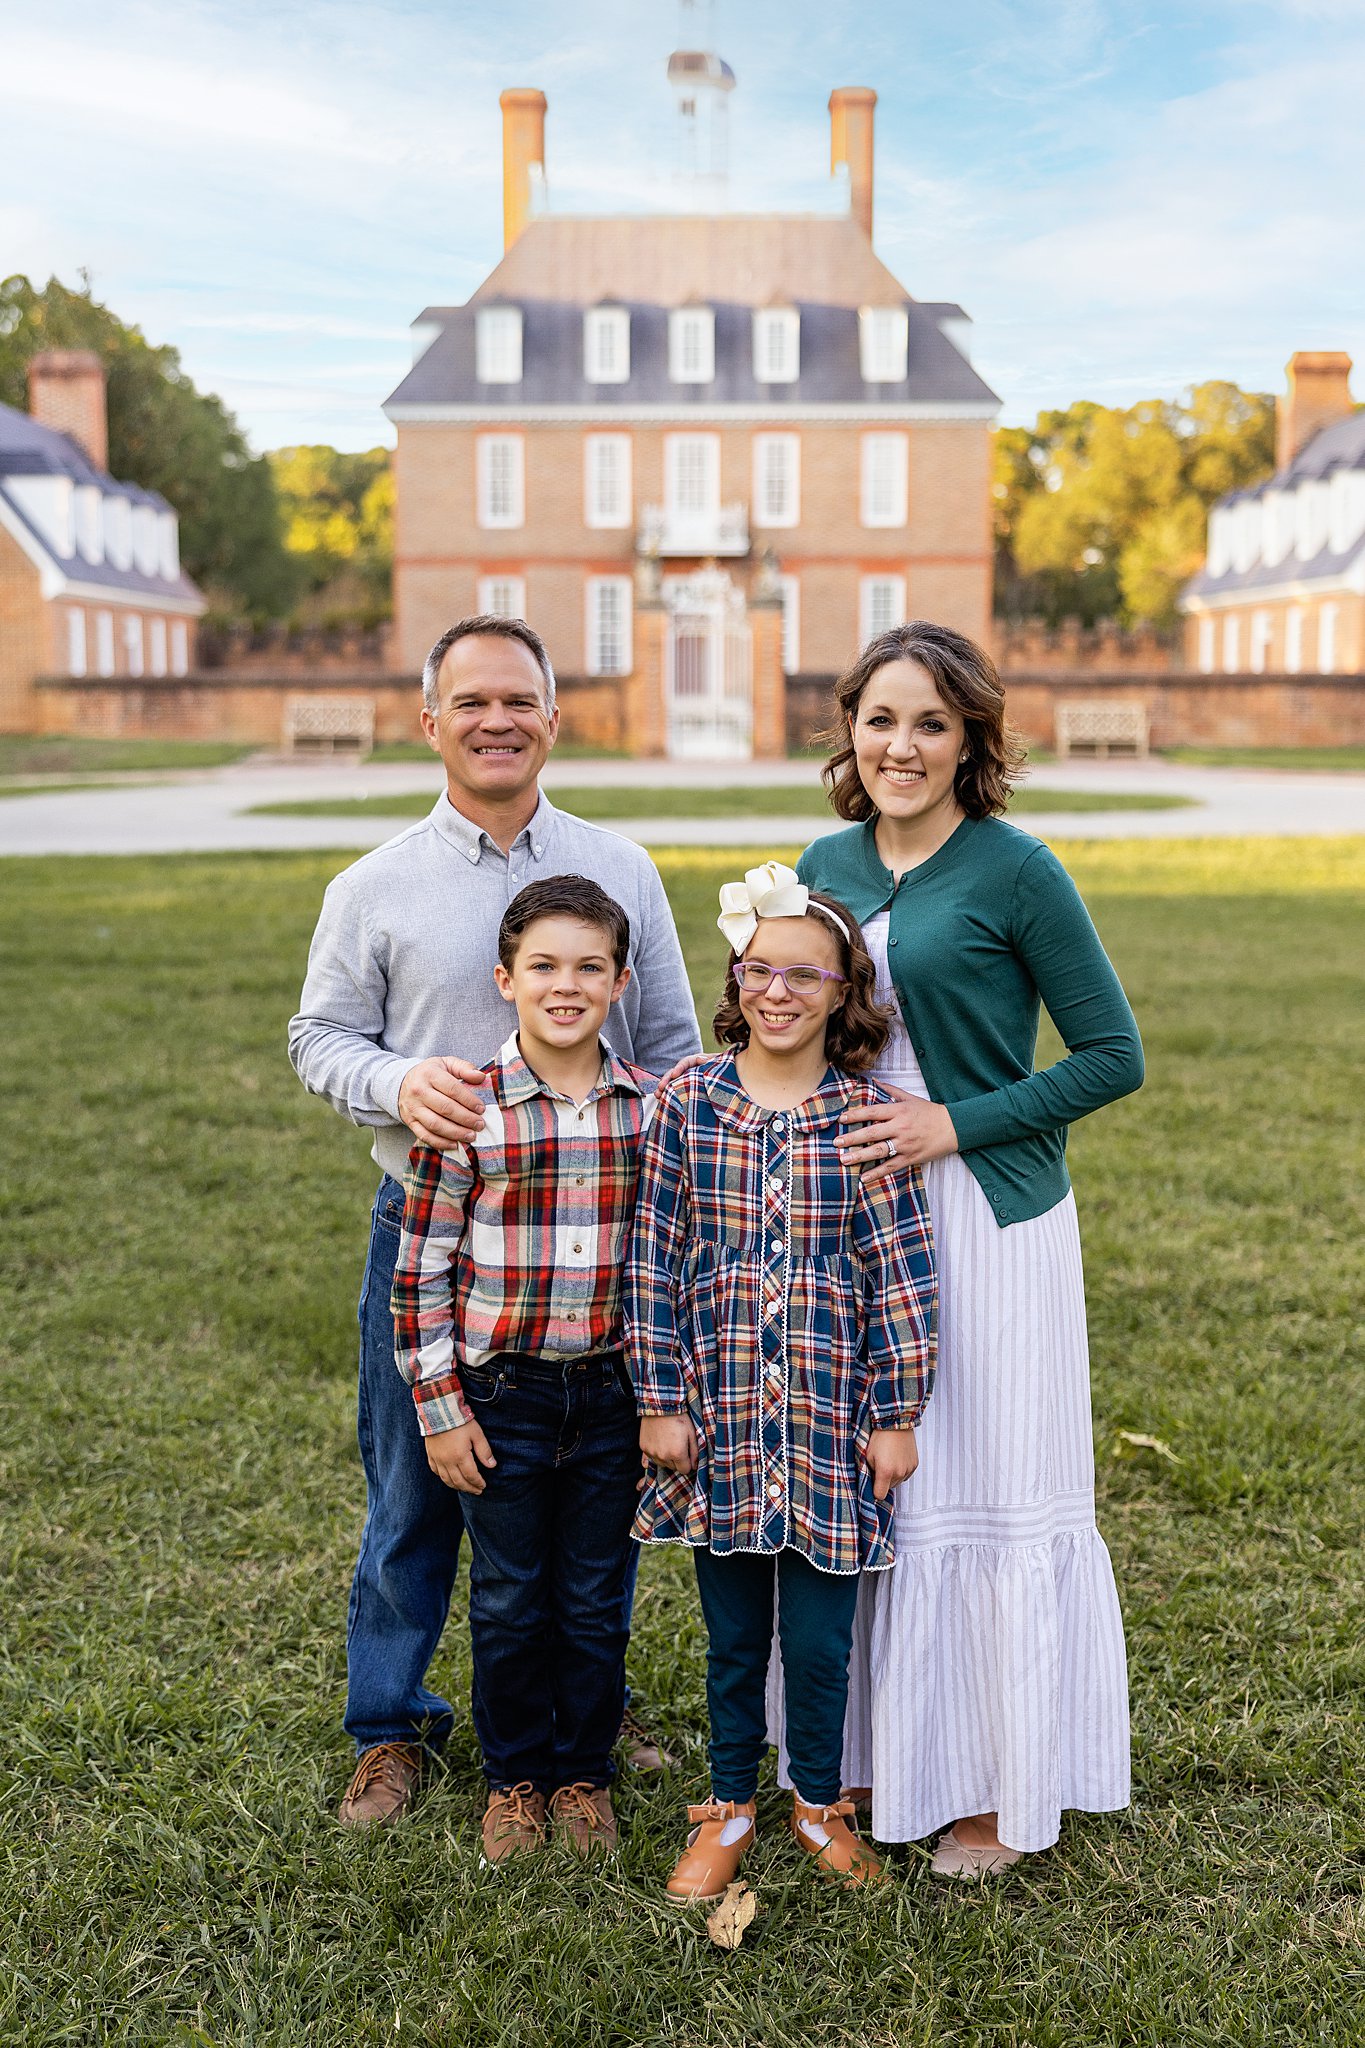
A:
<point x="132" y="643"/>
<point x="1329" y="615"/>
<point x="608" y="641"/>
<point x="501" y="500"/>
<point x="1208" y="643"/>
<point x="883" y="344"/>
<point x="692" y="345"/>
<point x="777" y="461"/>
<point x="75" y="640"/>
<point x="881" y="605"/>
<point x="678" y="448"/>
<point x="606" y="345"/>
<point x="156" y="639"/>
<point x="118" y="531"/>
<point x="1231" y="643"/>
<point x="606" y="480"/>
<point x="1293" y="640"/>
<point x="1261" y="633"/>
<point x="180" y="648"/>
<point x="498" y="344"/>
<point x="884" y="499"/>
<point x="502" y="597"/>
<point x="105" y="662"/>
<point x="777" y="345"/>
<point x="791" y="625"/>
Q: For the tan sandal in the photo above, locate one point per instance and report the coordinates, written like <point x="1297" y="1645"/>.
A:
<point x="841" y="1854"/>
<point x="708" y="1864"/>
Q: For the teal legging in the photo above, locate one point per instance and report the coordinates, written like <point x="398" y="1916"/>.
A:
<point x="815" y="1631"/>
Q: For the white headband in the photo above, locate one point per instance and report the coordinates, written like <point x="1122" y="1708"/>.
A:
<point x="769" y="891"/>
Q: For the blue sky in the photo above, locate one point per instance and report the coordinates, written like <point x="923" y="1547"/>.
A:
<point x="1127" y="198"/>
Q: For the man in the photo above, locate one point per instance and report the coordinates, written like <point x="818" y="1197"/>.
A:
<point x="398" y="1015"/>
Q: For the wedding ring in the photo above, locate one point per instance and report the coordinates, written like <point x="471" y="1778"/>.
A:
<point x="890" y="1148"/>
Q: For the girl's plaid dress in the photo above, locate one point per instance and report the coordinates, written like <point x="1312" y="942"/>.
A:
<point x="785" y="1304"/>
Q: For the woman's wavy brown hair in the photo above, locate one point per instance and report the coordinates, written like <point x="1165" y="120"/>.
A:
<point x="965" y="677"/>
<point x="856" y="1034"/>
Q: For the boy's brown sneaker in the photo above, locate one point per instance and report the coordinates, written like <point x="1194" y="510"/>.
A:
<point x="840" y="1853"/>
<point x="583" y="1815"/>
<point x="385" y="1782"/>
<point x="513" y="1822"/>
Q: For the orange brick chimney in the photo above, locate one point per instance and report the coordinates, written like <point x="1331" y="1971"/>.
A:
<point x="1319" y="392"/>
<point x="850" y="142"/>
<point x="66" y="391"/>
<point x="523" y="145"/>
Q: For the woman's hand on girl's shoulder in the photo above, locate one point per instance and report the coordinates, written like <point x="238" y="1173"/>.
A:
<point x="891" y="1456"/>
<point x="883" y="1137"/>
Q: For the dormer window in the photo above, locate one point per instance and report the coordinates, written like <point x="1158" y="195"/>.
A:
<point x="692" y="345"/>
<point x="89" y="525"/>
<point x="606" y="345"/>
<point x="145" y="540"/>
<point x="118" y="532"/>
<point x="883" y="341"/>
<point x="498" y="345"/>
<point x="777" y="345"/>
<point x="168" y="545"/>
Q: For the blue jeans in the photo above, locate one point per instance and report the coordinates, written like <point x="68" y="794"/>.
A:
<point x="552" y="1566"/>
<point x="406" y="1568"/>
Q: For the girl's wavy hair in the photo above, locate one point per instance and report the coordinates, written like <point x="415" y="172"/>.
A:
<point x="856" y="1034"/>
<point x="965" y="677"/>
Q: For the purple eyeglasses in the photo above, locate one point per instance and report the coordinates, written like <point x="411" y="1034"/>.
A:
<point x="797" y="981"/>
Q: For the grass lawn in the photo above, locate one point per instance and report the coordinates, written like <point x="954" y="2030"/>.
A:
<point x="61" y="754"/>
<point x="771" y="800"/>
<point x="180" y="1499"/>
<point x="1267" y="757"/>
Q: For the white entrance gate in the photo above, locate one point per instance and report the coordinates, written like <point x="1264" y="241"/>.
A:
<point x="708" y="669"/>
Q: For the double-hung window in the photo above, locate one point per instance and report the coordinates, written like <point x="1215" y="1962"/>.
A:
<point x="180" y="648"/>
<point x="885" y="479"/>
<point x="1260" y="641"/>
<point x="606" y="345"/>
<point x="502" y="597"/>
<point x="791" y="625"/>
<point x="883" y="337"/>
<point x="156" y="635"/>
<point x="501" y="480"/>
<point x="132" y="643"/>
<point x="1327" y="638"/>
<point x="777" y="345"/>
<point x="75" y="641"/>
<point x="777" y="479"/>
<point x="497" y="344"/>
<point x="606" y="480"/>
<point x="608" y="624"/>
<point x="104" y="643"/>
<point x="692" y="480"/>
<point x="1207" y="651"/>
<point x="881" y="606"/>
<point x="1293" y="641"/>
<point x="692" y="345"/>
<point x="1231" y="637"/>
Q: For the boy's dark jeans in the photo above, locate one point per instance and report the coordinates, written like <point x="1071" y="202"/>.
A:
<point x="552" y="1566"/>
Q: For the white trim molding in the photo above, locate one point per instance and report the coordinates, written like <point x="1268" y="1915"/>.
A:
<point x="498" y="418"/>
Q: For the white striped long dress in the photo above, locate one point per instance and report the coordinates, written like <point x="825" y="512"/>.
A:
<point x="988" y="1670"/>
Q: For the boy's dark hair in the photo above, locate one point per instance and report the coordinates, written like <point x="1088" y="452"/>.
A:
<point x="856" y="1034"/>
<point x="564" y="896"/>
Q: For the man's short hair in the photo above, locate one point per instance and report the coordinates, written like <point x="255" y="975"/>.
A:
<point x="564" y="896"/>
<point x="493" y="627"/>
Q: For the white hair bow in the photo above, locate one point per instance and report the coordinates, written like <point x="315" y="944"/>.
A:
<point x="769" y="891"/>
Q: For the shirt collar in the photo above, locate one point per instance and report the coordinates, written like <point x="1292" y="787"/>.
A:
<point x="470" y="839"/>
<point x="734" y="1107"/>
<point x="520" y="1083"/>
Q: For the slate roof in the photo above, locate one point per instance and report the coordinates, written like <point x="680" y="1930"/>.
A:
<point x="1340" y="446"/>
<point x="28" y="448"/>
<point x="558" y="267"/>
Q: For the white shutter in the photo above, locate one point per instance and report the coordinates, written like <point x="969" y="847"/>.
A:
<point x="501" y="481"/>
<point x="609" y="620"/>
<point x="885" y="479"/>
<point x="606" y="480"/>
<point x="777" y="479"/>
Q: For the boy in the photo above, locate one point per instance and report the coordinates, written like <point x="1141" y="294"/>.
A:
<point x="507" y="1311"/>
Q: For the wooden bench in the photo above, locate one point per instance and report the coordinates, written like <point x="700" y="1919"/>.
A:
<point x="1099" y="728"/>
<point x="328" y="725"/>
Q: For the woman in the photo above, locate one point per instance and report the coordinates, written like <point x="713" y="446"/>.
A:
<point x="989" y="1684"/>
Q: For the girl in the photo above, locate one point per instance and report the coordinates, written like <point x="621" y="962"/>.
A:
<point x="780" y="1332"/>
<point x="989" y="1682"/>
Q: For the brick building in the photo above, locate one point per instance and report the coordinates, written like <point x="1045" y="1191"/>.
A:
<point x="1282" y="590"/>
<point x="90" y="576"/>
<point x="704" y="453"/>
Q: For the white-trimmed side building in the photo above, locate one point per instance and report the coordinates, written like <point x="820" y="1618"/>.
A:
<point x="1282" y="590"/>
<point x="90" y="575"/>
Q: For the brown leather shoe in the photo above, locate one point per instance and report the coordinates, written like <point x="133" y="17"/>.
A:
<point x="385" y="1782"/>
<point x="582" y="1814"/>
<point x="513" y="1822"/>
<point x="707" y="1864"/>
<point x="843" y="1855"/>
<point x="643" y="1751"/>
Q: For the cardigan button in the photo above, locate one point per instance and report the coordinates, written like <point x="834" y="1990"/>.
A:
<point x="893" y="942"/>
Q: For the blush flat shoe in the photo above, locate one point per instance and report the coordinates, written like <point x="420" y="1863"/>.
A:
<point x="963" y="1859"/>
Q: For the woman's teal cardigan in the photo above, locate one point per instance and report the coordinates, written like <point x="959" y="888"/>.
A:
<point x="981" y="933"/>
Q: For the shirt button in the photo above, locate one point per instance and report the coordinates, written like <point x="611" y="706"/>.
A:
<point x="581" y="1114"/>
<point x="573" y="1315"/>
<point x="775" y="1182"/>
<point x="578" y="1180"/>
<point x="775" y="1490"/>
<point x="777" y="1245"/>
<point x="778" y="1124"/>
<point x="578" y="1247"/>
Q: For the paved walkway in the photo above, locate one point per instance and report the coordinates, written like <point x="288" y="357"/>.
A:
<point x="208" y="812"/>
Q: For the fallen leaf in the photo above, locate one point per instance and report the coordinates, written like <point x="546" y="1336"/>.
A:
<point x="1138" y="1442"/>
<point x="727" y="1924"/>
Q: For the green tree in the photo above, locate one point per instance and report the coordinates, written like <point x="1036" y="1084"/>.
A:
<point x="1100" y="512"/>
<point x="338" y="521"/>
<point x="166" y="436"/>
